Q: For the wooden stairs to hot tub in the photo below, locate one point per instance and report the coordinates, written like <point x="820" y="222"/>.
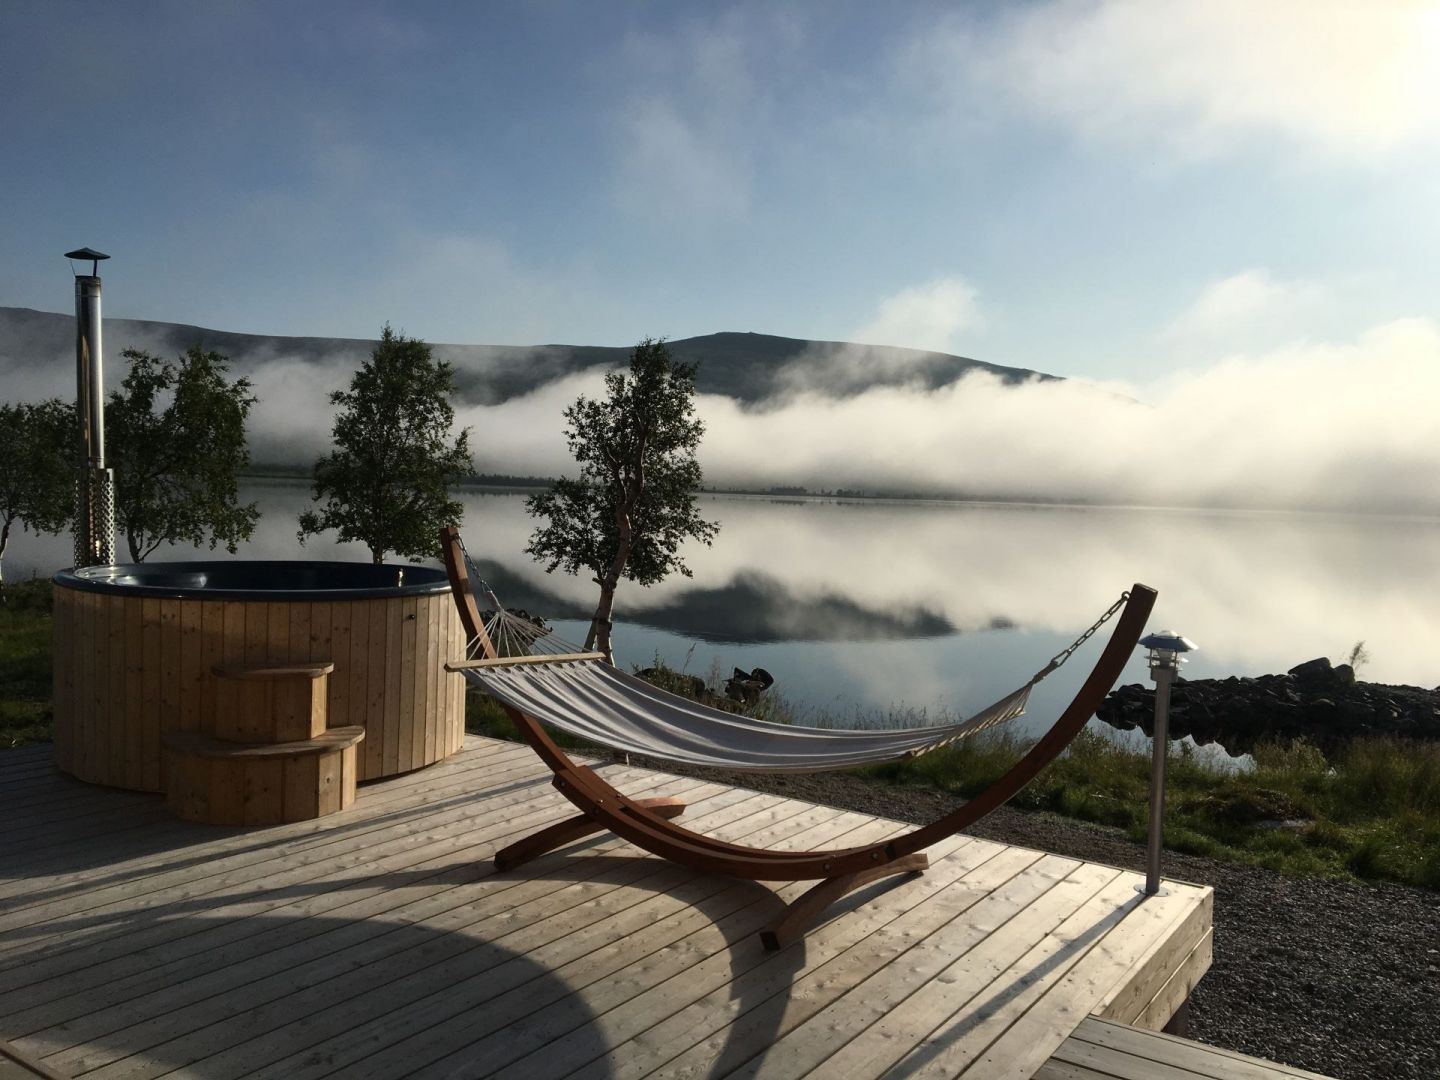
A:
<point x="271" y="759"/>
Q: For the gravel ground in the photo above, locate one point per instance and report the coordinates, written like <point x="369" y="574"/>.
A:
<point x="1342" y="979"/>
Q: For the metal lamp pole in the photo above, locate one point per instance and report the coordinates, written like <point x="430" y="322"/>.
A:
<point x="1165" y="660"/>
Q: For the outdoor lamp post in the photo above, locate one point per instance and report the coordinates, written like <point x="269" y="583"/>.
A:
<point x="1165" y="660"/>
<point x="95" y="502"/>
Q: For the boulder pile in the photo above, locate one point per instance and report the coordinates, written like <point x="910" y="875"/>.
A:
<point x="1321" y="703"/>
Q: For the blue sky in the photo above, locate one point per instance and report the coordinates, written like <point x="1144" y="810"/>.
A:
<point x="1111" y="190"/>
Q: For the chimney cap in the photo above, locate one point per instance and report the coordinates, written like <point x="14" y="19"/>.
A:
<point x="88" y="253"/>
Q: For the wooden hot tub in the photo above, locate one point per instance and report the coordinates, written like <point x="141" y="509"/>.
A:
<point x="136" y="646"/>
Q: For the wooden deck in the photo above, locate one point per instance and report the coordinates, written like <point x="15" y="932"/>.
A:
<point x="378" y="942"/>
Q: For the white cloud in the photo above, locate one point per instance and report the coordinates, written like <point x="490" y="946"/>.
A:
<point x="896" y="342"/>
<point x="687" y="132"/>
<point x="1250" y="302"/>
<point x="1198" y="76"/>
<point x="929" y="316"/>
<point x="525" y="436"/>
<point x="1342" y="426"/>
<point x="679" y="167"/>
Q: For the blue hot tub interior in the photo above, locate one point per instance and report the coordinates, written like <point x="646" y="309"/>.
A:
<point x="243" y="579"/>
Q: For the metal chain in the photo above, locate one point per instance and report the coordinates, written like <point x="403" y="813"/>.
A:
<point x="1059" y="658"/>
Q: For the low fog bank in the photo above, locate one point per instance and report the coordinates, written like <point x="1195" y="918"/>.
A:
<point x="294" y="376"/>
<point x="1336" y="427"/>
<point x="1341" y="426"/>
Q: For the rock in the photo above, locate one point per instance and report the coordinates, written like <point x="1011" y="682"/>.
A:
<point x="747" y="686"/>
<point x="1299" y="826"/>
<point x="1314" y="701"/>
<point x="1310" y="668"/>
<point x="1319" y="672"/>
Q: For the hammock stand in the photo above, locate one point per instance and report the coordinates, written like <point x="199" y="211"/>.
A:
<point x="646" y="822"/>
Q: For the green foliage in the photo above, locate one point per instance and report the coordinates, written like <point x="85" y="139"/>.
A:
<point x="37" y="468"/>
<point x="176" y="440"/>
<point x="387" y="482"/>
<point x="634" y="501"/>
<point x="1389" y="776"/>
<point x="25" y="713"/>
<point x="1373" y="813"/>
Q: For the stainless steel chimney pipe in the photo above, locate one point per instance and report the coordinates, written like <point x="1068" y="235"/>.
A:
<point x="90" y="371"/>
<point x="95" y="502"/>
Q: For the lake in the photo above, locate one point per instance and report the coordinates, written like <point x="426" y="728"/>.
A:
<point x="870" y="607"/>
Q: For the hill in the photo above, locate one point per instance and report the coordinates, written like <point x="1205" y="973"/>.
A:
<point x="37" y="348"/>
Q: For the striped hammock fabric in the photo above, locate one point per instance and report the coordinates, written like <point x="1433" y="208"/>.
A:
<point x="595" y="701"/>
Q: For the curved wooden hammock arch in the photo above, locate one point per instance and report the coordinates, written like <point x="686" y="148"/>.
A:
<point x="647" y="823"/>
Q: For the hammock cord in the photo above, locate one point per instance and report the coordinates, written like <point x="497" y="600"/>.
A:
<point x="512" y="634"/>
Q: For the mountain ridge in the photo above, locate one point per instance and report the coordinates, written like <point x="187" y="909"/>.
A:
<point x="749" y="367"/>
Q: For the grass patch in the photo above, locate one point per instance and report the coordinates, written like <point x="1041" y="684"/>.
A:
<point x="1373" y="812"/>
<point x="25" y="714"/>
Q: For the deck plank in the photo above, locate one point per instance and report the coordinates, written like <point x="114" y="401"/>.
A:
<point x="404" y="1039"/>
<point x="875" y="1023"/>
<point x="392" y="1012"/>
<point x="296" y="982"/>
<point x="1023" y="1046"/>
<point x="782" y="991"/>
<point x="61" y="847"/>
<point x="379" y="942"/>
<point x="152" y="853"/>
<point x="482" y="831"/>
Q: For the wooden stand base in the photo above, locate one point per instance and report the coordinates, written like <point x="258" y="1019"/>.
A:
<point x="805" y="910"/>
<point x="570" y="830"/>
<point x="790" y="926"/>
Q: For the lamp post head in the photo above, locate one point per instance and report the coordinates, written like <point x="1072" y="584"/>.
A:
<point x="87" y="253"/>
<point x="1165" y="648"/>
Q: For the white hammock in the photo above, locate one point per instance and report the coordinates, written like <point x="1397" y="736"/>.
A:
<point x="588" y="698"/>
<point x="592" y="700"/>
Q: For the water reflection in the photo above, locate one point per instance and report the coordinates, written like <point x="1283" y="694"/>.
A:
<point x="868" y="605"/>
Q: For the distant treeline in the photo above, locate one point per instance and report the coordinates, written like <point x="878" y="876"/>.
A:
<point x="301" y="472"/>
<point x="787" y="491"/>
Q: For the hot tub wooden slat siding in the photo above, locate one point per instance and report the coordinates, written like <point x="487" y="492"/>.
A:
<point x="63" y="696"/>
<point x="394" y="615"/>
<point x="130" y="668"/>
<point x="338" y="704"/>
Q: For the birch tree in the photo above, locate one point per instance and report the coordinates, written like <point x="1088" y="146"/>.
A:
<point x="633" y="504"/>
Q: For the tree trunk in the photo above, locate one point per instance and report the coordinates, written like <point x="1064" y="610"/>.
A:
<point x="4" y="543"/>
<point x="598" y="638"/>
<point x="135" y="556"/>
<point x="377" y="557"/>
<point x="600" y="626"/>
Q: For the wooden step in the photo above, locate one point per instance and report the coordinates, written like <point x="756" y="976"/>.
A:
<point x="1104" y="1050"/>
<point x="198" y="744"/>
<point x="271" y="704"/>
<point x="219" y="782"/>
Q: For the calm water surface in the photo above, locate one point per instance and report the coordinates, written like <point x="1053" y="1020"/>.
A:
<point x="868" y="607"/>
